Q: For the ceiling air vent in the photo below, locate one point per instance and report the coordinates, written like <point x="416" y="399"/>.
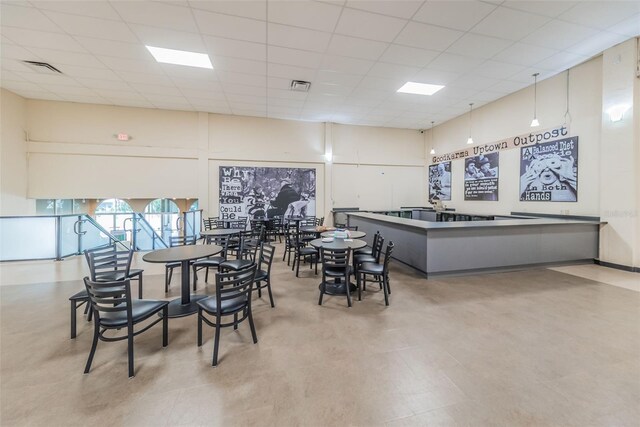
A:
<point x="42" y="67"/>
<point x="300" y="86"/>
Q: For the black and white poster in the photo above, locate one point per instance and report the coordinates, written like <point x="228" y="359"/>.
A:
<point x="440" y="181"/>
<point x="481" y="177"/>
<point x="549" y="171"/>
<point x="258" y="192"/>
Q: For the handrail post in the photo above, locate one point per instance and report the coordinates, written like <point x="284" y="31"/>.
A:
<point x="134" y="232"/>
<point x="80" y="234"/>
<point x="58" y="238"/>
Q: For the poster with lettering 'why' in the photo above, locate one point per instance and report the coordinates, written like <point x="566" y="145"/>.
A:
<point x="549" y="171"/>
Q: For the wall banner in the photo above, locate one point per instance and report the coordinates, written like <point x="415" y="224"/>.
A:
<point x="481" y="177"/>
<point x="513" y="142"/>
<point x="549" y="171"/>
<point x="257" y="192"/>
<point x="440" y="181"/>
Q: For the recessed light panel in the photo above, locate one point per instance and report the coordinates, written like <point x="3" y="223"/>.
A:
<point x="420" y="88"/>
<point x="180" y="57"/>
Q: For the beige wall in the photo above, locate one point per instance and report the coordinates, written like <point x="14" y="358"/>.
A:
<point x="13" y="156"/>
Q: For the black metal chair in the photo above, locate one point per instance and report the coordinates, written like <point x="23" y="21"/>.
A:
<point x="289" y="242"/>
<point x="238" y="224"/>
<point x="335" y="266"/>
<point x="113" y="309"/>
<point x="351" y="227"/>
<point x="210" y="223"/>
<point x="168" y="267"/>
<point x="245" y="255"/>
<point x="210" y="262"/>
<point x="303" y="253"/>
<point x="233" y="297"/>
<point x="367" y="250"/>
<point x="319" y="221"/>
<point x="263" y="272"/>
<point x="376" y="252"/>
<point x="380" y="273"/>
<point x="275" y="229"/>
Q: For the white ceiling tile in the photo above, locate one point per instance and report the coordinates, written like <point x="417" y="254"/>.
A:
<point x="173" y="106"/>
<point x="94" y="8"/>
<point x="286" y="94"/>
<point x="509" y="86"/>
<point x="559" y="35"/>
<point x="16" y="52"/>
<point x="477" y="46"/>
<point x="330" y="89"/>
<point x="290" y="72"/>
<point x="231" y="89"/>
<point x="459" y="15"/>
<point x="544" y="8"/>
<point x="404" y="55"/>
<point x="356" y="47"/>
<point x="16" y="86"/>
<point x="122" y="64"/>
<point x="211" y="95"/>
<point x="496" y="69"/>
<point x="454" y="63"/>
<point x="11" y="75"/>
<point x="425" y="36"/>
<point x="629" y="27"/>
<point x="218" y="46"/>
<point x="49" y="79"/>
<point x="135" y="77"/>
<point x="162" y="15"/>
<point x="298" y="38"/>
<point x="561" y="61"/>
<point x="232" y="27"/>
<point x="210" y="103"/>
<point x="397" y="8"/>
<point x="40" y="95"/>
<point x="332" y="77"/>
<point x="437" y="77"/>
<point x="450" y="93"/>
<point x="174" y="99"/>
<point x="93" y="27"/>
<point x="113" y="48"/>
<point x="346" y="65"/>
<point x="488" y="96"/>
<point x="99" y="83"/>
<point x="58" y="58"/>
<point x="119" y="94"/>
<point x="256" y="9"/>
<point x="203" y="85"/>
<point x="279" y="83"/>
<point x="84" y="99"/>
<point x="103" y="74"/>
<point x="26" y="17"/>
<point x="595" y="44"/>
<point x="524" y="54"/>
<point x="30" y="38"/>
<point x="474" y="82"/>
<point x="306" y="14"/>
<point x="169" y="39"/>
<point x="241" y="65"/>
<point x="147" y="89"/>
<point x="367" y="25"/>
<point x="226" y="77"/>
<point x="382" y="84"/>
<point x="298" y="58"/>
<point x="70" y="90"/>
<point x="393" y="71"/>
<point x="138" y="103"/>
<point x="509" y="24"/>
<point x="601" y="14"/>
<point x="291" y="103"/>
<point x="197" y="74"/>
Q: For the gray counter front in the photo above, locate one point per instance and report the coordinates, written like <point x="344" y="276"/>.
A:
<point x="470" y="246"/>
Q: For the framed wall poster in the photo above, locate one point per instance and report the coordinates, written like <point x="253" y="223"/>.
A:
<point x="481" y="177"/>
<point x="549" y="171"/>
<point x="440" y="181"/>
<point x="257" y="192"/>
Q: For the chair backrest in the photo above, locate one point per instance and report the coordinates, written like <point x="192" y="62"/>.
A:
<point x="234" y="284"/>
<point x="182" y="240"/>
<point x="210" y="223"/>
<point x="220" y="241"/>
<point x="266" y="257"/>
<point x="375" y="239"/>
<point x="319" y="221"/>
<point x="308" y="222"/>
<point x="258" y="230"/>
<point x="104" y="260"/>
<point x="335" y="259"/>
<point x="249" y="248"/>
<point x="376" y="250"/>
<point x="238" y="224"/>
<point x="387" y="257"/>
<point x="109" y="297"/>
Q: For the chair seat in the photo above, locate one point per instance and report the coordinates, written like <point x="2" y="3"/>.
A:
<point x="209" y="262"/>
<point x="140" y="310"/>
<point x="336" y="272"/>
<point x="110" y="276"/>
<point x="260" y="275"/>
<point x="173" y="264"/>
<point x="362" y="251"/>
<point x="308" y="251"/>
<point x="359" y="259"/>
<point x="80" y="296"/>
<point x="236" y="264"/>
<point x="227" y="306"/>
<point x="135" y="272"/>
<point x="371" y="268"/>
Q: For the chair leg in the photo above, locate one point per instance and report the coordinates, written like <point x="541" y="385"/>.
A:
<point x="206" y="275"/>
<point x="94" y="344"/>
<point x="73" y="319"/>
<point x="195" y="277"/>
<point x="166" y="280"/>
<point x="294" y="263"/>
<point x="216" y="342"/>
<point x="269" y="290"/>
<point x="383" y="281"/>
<point x="90" y="315"/>
<point x="348" y="285"/>
<point x="130" y="350"/>
<point x="199" y="327"/>
<point x="259" y="289"/>
<point x="235" y="321"/>
<point x="386" y="276"/>
<point x="359" y="287"/>
<point x="252" y="326"/>
<point x="165" y="326"/>
<point x="322" y="289"/>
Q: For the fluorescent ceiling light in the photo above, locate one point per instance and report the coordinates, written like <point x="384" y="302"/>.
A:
<point x="420" y="88"/>
<point x="180" y="57"/>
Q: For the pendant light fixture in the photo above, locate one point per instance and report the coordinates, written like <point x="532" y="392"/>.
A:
<point x="470" y="140"/>
<point x="433" y="150"/>
<point x="534" y="122"/>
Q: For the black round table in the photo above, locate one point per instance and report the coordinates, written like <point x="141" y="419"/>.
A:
<point x="338" y="288"/>
<point x="186" y="304"/>
<point x="352" y="234"/>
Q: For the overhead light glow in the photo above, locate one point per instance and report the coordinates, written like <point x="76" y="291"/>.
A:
<point x="616" y="113"/>
<point x="535" y="123"/>
<point x="420" y="88"/>
<point x="433" y="151"/>
<point x="180" y="57"/>
<point x="470" y="141"/>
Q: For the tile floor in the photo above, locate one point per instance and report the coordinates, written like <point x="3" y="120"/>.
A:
<point x="535" y="348"/>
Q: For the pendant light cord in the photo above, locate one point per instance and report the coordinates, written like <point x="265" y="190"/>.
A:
<point x="567" y="113"/>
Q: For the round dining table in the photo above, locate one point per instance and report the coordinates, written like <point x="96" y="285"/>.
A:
<point x="339" y="287"/>
<point x="187" y="303"/>
<point x="352" y="234"/>
<point x="217" y="232"/>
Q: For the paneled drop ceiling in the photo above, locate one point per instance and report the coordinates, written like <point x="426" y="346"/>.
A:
<point x="355" y="53"/>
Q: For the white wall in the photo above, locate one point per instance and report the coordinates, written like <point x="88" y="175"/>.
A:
<point x="13" y="156"/>
<point x="511" y="116"/>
